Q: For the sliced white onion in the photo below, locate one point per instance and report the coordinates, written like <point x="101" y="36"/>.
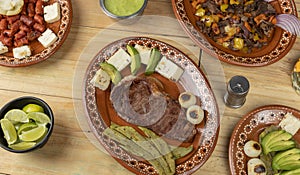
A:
<point x="269" y="0"/>
<point x="289" y="23"/>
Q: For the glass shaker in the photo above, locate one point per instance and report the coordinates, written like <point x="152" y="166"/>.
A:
<point x="237" y="90"/>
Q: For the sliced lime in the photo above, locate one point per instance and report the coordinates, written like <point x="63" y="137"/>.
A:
<point x="33" y="108"/>
<point x="16" y="116"/>
<point x="22" y="145"/>
<point x="33" y="134"/>
<point x="26" y="127"/>
<point x="9" y="131"/>
<point x="39" y="117"/>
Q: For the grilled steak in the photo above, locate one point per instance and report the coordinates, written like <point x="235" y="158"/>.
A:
<point x="142" y="101"/>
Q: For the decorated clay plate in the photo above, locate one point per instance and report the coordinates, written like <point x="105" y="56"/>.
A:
<point x="100" y="112"/>
<point x="249" y="128"/>
<point x="279" y="44"/>
<point x="38" y="53"/>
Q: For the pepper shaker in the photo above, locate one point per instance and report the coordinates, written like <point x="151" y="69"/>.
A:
<point x="237" y="90"/>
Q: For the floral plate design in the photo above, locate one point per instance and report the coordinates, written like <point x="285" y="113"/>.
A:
<point x="279" y="45"/>
<point x="100" y="112"/>
<point x="249" y="128"/>
<point x="61" y="28"/>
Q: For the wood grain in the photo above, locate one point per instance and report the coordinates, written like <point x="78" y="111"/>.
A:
<point x="69" y="150"/>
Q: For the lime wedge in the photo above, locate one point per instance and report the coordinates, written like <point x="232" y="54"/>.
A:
<point x="26" y="127"/>
<point x="9" y="131"/>
<point x="16" y="116"/>
<point x="22" y="145"/>
<point x="33" y="134"/>
<point x="39" y="117"/>
<point x="33" y="108"/>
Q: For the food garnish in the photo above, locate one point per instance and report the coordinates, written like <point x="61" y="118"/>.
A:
<point x="135" y="59"/>
<point x="47" y="38"/>
<point x="279" y="140"/>
<point x="11" y="7"/>
<point x="22" y="52"/>
<point x="290" y="123"/>
<point x="101" y="80"/>
<point x="195" y="114"/>
<point x="155" y="56"/>
<point x="52" y="12"/>
<point x="252" y="148"/>
<point x="169" y="69"/>
<point x="24" y="128"/>
<point x="256" y="167"/>
<point x="187" y="99"/>
<point x="137" y="56"/>
<point x="3" y="48"/>
<point x="236" y="25"/>
<point x="152" y="147"/>
<point x="112" y="71"/>
<point x="120" y="59"/>
<point x="144" y="53"/>
<point x="289" y="22"/>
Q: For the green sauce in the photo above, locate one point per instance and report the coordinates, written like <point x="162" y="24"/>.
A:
<point x="123" y="7"/>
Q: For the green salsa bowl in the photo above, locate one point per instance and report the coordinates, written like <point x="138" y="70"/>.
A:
<point x="122" y="9"/>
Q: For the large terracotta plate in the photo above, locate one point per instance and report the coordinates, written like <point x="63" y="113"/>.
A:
<point x="249" y="128"/>
<point x="61" y="28"/>
<point x="279" y="44"/>
<point x="100" y="112"/>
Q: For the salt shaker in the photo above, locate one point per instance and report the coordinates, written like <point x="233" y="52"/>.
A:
<point x="237" y="90"/>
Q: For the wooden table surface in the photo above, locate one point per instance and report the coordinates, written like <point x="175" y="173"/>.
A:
<point x="70" y="149"/>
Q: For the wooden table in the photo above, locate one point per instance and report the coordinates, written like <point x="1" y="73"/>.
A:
<point x="69" y="151"/>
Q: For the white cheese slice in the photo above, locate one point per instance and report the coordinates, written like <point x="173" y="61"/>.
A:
<point x="144" y="53"/>
<point x="52" y="12"/>
<point x="101" y="80"/>
<point x="169" y="69"/>
<point x="3" y="48"/>
<point x="22" y="52"/>
<point x="120" y="59"/>
<point x="290" y="123"/>
<point x="47" y="38"/>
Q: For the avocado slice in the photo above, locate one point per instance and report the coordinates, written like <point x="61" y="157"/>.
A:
<point x="135" y="59"/>
<point x="110" y="69"/>
<point x="282" y="145"/>
<point x="281" y="137"/>
<point x="285" y="154"/>
<point x="268" y="138"/>
<point x="290" y="165"/>
<point x="291" y="172"/>
<point x="293" y="157"/>
<point x="155" y="56"/>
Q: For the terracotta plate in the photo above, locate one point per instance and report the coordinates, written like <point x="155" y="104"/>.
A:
<point x="249" y="128"/>
<point x="100" y="111"/>
<point x="61" y="28"/>
<point x="279" y="44"/>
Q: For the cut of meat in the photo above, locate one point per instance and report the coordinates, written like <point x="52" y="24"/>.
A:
<point x="142" y="101"/>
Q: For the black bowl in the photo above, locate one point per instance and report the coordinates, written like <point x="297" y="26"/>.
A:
<point x="19" y="103"/>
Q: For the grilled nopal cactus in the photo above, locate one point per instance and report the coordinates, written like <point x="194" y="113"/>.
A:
<point x="296" y="77"/>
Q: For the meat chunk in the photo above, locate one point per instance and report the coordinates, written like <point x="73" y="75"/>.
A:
<point x="142" y="101"/>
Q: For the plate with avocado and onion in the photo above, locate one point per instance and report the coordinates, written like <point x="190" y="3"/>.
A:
<point x="151" y="107"/>
<point x="266" y="142"/>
